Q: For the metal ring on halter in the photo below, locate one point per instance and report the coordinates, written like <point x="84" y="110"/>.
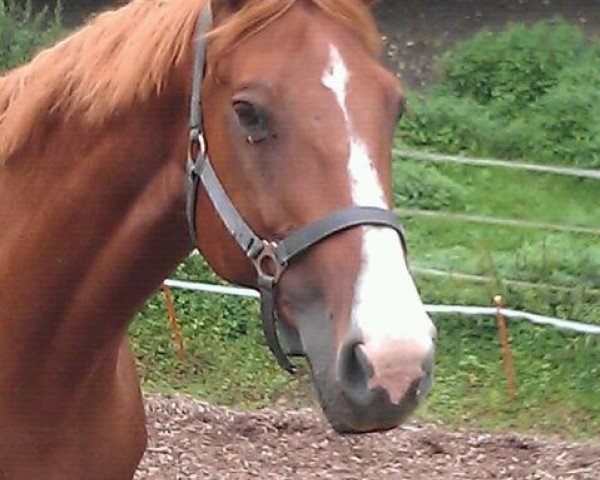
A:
<point x="267" y="264"/>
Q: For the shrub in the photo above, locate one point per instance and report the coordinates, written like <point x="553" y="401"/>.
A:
<point x="514" y="68"/>
<point x="528" y="93"/>
<point x="23" y="31"/>
<point x="446" y="123"/>
<point x="568" y="122"/>
<point x="424" y="186"/>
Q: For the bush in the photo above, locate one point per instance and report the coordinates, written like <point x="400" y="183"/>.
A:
<point x="529" y="93"/>
<point x="446" y="123"/>
<point x="513" y="69"/>
<point x="23" y="31"/>
<point x="424" y="186"/>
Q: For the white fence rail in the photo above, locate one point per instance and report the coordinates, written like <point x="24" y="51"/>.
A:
<point x="484" y="279"/>
<point x="503" y="222"/>
<point x="459" y="309"/>
<point x="490" y="162"/>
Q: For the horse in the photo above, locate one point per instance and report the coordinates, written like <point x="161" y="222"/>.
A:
<point x="264" y="124"/>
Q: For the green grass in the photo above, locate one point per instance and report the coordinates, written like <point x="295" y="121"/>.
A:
<point x="521" y="195"/>
<point x="557" y="374"/>
<point x="512" y="253"/>
<point x="529" y="254"/>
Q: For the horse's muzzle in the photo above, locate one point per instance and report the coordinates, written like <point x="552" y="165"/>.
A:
<point x="382" y="383"/>
<point x="372" y="386"/>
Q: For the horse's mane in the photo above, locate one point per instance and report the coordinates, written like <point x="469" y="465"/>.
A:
<point x="126" y="55"/>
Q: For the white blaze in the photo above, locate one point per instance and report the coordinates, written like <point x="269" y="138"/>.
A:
<point x="386" y="303"/>
<point x="335" y="78"/>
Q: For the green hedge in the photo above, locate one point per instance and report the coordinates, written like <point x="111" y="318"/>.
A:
<point x="24" y="30"/>
<point x="531" y="92"/>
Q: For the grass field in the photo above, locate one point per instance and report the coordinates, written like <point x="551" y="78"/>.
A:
<point x="558" y="372"/>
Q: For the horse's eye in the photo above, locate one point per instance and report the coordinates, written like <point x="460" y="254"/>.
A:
<point x="252" y="120"/>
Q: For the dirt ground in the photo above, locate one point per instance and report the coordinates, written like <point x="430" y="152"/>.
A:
<point x="193" y="440"/>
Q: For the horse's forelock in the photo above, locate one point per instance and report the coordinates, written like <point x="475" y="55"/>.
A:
<point x="254" y="15"/>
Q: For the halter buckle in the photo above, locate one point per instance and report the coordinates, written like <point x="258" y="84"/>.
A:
<point x="268" y="266"/>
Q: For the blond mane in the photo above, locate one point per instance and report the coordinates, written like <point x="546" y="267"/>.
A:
<point x="126" y="55"/>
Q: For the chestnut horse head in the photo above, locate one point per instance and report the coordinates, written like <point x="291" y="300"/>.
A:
<point x="289" y="165"/>
<point x="299" y="117"/>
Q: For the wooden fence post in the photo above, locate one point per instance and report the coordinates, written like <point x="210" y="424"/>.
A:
<point x="168" y="295"/>
<point x="507" y="359"/>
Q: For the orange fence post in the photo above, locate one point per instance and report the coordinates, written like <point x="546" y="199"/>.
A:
<point x="507" y="359"/>
<point x="168" y="295"/>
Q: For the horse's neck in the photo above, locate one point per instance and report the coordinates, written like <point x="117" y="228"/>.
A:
<point x="90" y="223"/>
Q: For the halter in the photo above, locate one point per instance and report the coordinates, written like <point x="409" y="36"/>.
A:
<point x="270" y="258"/>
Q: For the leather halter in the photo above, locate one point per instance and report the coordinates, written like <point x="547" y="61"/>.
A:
<point x="269" y="257"/>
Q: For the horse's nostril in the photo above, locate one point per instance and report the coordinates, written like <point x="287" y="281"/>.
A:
<point x="354" y="369"/>
<point x="377" y="384"/>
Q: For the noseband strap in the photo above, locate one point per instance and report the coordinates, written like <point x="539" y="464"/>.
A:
<point x="270" y="258"/>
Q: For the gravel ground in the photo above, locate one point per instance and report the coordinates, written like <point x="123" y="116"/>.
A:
<point x="194" y="440"/>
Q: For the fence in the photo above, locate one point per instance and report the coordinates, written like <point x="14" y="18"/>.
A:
<point x="489" y="162"/>
<point x="461" y="309"/>
<point x="485" y="220"/>
<point x="482" y="279"/>
<point x="498" y="310"/>
<point x="451" y="309"/>
<point x="500" y="313"/>
<point x="506" y="222"/>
